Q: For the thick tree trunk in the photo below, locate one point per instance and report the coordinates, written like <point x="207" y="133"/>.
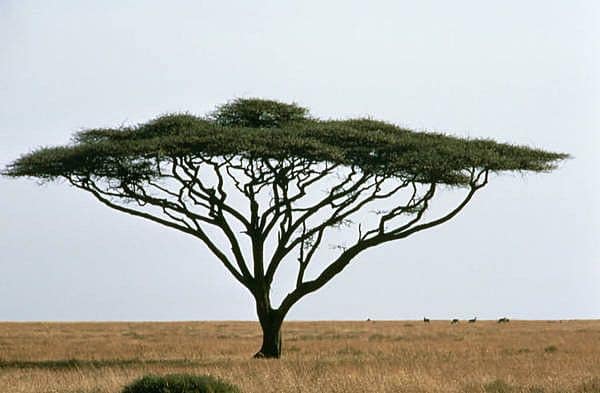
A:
<point x="271" y="328"/>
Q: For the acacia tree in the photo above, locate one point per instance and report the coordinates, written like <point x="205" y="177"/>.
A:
<point x="262" y="184"/>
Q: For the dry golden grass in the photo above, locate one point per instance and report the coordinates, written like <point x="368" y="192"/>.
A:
<point x="377" y="356"/>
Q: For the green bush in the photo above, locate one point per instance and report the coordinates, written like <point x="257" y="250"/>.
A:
<point x="551" y="349"/>
<point x="180" y="383"/>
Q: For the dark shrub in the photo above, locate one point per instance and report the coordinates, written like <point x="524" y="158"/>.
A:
<point x="179" y="383"/>
<point x="551" y="349"/>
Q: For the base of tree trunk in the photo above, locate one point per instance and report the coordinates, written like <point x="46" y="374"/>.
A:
<point x="260" y="355"/>
<point x="270" y="351"/>
<point x="271" y="345"/>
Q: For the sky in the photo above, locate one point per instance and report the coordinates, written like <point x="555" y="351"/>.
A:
<point x="527" y="247"/>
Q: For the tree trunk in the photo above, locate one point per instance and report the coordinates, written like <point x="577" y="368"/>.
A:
<point x="271" y="328"/>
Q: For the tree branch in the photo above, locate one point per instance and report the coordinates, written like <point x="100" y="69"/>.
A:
<point x="349" y="254"/>
<point x="89" y="185"/>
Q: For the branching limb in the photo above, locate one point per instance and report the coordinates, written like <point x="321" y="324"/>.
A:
<point x="478" y="181"/>
<point x="88" y="185"/>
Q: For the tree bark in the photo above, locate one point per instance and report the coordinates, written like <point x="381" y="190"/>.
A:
<point x="270" y="323"/>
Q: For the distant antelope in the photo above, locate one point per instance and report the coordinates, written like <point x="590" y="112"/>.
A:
<point x="426" y="320"/>
<point x="504" y="320"/>
<point x="454" y="321"/>
<point x="473" y="320"/>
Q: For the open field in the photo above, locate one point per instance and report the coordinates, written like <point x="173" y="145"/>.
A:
<point x="376" y="356"/>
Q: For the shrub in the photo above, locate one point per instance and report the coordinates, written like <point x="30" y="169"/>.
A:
<point x="551" y="349"/>
<point x="180" y="383"/>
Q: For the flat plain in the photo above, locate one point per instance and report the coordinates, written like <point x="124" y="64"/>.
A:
<point x="360" y="356"/>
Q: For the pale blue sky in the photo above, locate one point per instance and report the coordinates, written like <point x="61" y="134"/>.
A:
<point x="517" y="71"/>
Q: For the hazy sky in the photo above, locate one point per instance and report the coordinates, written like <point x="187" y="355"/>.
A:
<point x="517" y="71"/>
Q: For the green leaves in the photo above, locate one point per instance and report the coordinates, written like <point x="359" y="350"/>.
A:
<point x="256" y="112"/>
<point x="263" y="129"/>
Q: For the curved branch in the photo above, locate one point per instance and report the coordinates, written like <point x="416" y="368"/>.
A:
<point x="346" y="257"/>
<point x="282" y="249"/>
<point x="88" y="185"/>
<point x="401" y="233"/>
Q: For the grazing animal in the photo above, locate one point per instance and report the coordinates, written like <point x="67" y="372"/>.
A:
<point x="454" y="321"/>
<point x="426" y="320"/>
<point x="504" y="320"/>
<point x="473" y="320"/>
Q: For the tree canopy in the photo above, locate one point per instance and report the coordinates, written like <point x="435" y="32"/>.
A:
<point x="298" y="178"/>
<point x="262" y="129"/>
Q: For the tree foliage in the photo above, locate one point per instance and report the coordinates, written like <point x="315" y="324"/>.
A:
<point x="260" y="129"/>
<point x="300" y="176"/>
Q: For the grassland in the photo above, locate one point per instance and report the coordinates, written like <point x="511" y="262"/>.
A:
<point x="376" y="356"/>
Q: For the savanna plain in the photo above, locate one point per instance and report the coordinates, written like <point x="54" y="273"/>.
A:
<point x="362" y="356"/>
